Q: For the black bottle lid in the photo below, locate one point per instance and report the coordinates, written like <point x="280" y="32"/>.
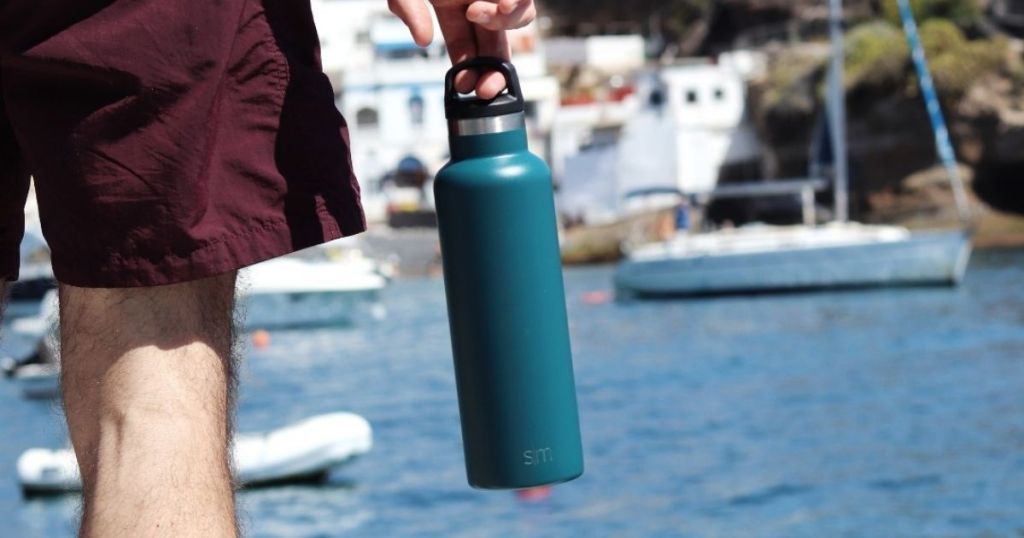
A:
<point x="458" y="107"/>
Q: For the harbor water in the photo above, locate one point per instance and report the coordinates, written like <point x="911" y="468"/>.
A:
<point x="891" y="413"/>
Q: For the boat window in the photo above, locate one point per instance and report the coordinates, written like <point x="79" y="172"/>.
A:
<point x="416" y="109"/>
<point x="657" y="98"/>
<point x="719" y="94"/>
<point x="367" y="117"/>
<point x="691" y="96"/>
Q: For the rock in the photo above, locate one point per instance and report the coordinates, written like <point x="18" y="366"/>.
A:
<point x="891" y="144"/>
<point x="925" y="200"/>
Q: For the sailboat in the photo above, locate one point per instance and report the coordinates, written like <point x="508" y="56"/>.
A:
<point x="838" y="254"/>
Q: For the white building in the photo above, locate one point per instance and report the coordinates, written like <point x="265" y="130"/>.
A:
<point x="344" y="28"/>
<point x="683" y="123"/>
<point x="707" y="103"/>
<point x="392" y="92"/>
<point x="607" y="54"/>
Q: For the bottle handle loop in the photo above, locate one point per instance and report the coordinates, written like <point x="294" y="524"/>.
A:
<point x="452" y="98"/>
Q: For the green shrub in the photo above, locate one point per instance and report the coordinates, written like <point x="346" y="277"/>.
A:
<point x="956" y="70"/>
<point x="955" y="62"/>
<point x="786" y="87"/>
<point x="940" y="36"/>
<point x="963" y="13"/>
<point x="876" y="55"/>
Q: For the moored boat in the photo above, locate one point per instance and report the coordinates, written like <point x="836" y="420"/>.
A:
<point x="292" y="292"/>
<point x="306" y="451"/>
<point x="841" y="254"/>
<point x="794" y="258"/>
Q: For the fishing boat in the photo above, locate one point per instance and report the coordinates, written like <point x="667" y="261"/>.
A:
<point x="839" y="254"/>
<point x="303" y="452"/>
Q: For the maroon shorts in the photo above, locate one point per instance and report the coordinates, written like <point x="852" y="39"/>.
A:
<point x="169" y="140"/>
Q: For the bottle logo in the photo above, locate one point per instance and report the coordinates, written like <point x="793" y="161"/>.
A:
<point x="538" y="456"/>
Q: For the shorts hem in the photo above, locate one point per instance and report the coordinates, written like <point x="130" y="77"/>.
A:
<point x="262" y="243"/>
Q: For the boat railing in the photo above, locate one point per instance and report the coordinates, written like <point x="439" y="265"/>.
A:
<point x="803" y="187"/>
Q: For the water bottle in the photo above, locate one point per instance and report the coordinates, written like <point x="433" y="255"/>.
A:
<point x="506" y="300"/>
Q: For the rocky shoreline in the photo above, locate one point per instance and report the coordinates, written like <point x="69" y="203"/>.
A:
<point x="891" y="146"/>
<point x="976" y="60"/>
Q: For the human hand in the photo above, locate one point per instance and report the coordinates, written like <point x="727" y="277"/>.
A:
<point x="471" y="28"/>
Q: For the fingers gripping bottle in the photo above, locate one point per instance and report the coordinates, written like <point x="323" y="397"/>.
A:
<point x="506" y="302"/>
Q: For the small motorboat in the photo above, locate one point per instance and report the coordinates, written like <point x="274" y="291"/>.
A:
<point x="37" y="373"/>
<point x="41" y="321"/>
<point x="302" y="290"/>
<point x="38" y="381"/>
<point x="303" y="452"/>
<point x="294" y="291"/>
<point x="36" y="276"/>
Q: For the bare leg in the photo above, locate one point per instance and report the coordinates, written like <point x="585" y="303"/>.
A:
<point x="148" y="383"/>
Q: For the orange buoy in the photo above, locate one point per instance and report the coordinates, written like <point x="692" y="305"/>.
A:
<point x="260" y="338"/>
<point x="596" y="297"/>
<point x="536" y="494"/>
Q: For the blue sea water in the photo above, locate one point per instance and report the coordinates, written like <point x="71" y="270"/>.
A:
<point x="881" y="413"/>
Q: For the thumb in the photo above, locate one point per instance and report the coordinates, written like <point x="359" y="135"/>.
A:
<point x="416" y="16"/>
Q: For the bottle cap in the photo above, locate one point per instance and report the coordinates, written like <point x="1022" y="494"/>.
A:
<point x="459" y="107"/>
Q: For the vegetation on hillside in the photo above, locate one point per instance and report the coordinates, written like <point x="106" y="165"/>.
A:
<point x="673" y="19"/>
<point x="878" y="59"/>
<point x="876" y="56"/>
<point x="978" y="73"/>
<point x="963" y="13"/>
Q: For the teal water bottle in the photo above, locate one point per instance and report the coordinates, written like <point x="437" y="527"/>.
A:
<point x="506" y="301"/>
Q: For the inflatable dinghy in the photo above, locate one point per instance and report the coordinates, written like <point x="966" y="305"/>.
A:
<point x="303" y="452"/>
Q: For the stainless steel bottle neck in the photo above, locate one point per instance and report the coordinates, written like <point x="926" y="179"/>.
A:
<point x="491" y="125"/>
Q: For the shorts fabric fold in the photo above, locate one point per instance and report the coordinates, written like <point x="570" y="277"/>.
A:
<point x="171" y="141"/>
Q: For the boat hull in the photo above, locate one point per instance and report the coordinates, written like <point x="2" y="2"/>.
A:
<point x="303" y="310"/>
<point x="39" y="381"/>
<point x="291" y="293"/>
<point x="301" y="452"/>
<point x="922" y="259"/>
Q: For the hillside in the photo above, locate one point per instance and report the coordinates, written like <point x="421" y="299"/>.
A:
<point x="977" y="67"/>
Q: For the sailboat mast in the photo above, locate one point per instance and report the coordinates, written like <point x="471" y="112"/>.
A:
<point x="931" y="100"/>
<point x="836" y="104"/>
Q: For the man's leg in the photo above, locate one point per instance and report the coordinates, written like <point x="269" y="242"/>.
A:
<point x="148" y="383"/>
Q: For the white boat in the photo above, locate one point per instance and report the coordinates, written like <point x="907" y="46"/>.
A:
<point x="841" y="254"/>
<point x="36" y="275"/>
<point x="306" y="451"/>
<point x="42" y="320"/>
<point x="37" y="375"/>
<point x="38" y="381"/>
<point x="313" y="288"/>
<point x="293" y="292"/>
<point x="792" y="258"/>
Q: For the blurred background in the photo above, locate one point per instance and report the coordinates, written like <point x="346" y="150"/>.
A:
<point x="793" y="239"/>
